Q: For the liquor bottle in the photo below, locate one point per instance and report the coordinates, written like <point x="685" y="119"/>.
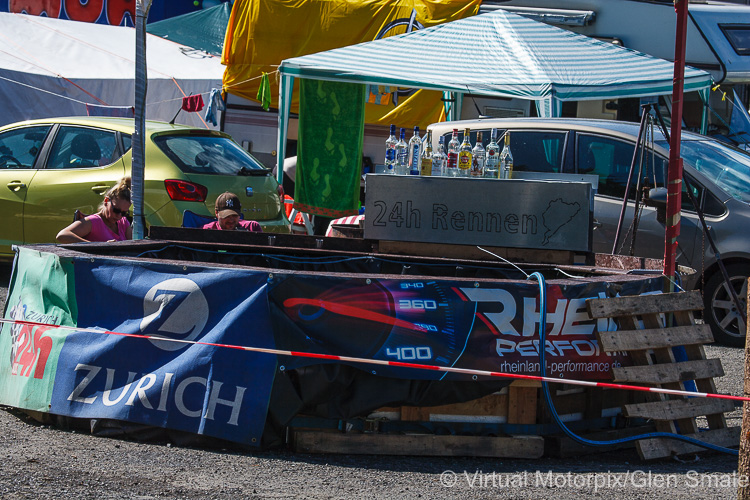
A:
<point x="506" y="159"/>
<point x="401" y="154"/>
<point x="451" y="167"/>
<point x="425" y="164"/>
<point x="390" y="152"/>
<point x="439" y="160"/>
<point x="415" y="151"/>
<point x="493" y="157"/>
<point x="464" y="155"/>
<point x="478" y="158"/>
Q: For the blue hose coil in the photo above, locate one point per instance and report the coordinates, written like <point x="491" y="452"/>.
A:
<point x="548" y="397"/>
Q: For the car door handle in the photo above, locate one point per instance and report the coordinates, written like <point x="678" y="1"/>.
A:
<point x="16" y="185"/>
<point x="99" y="189"/>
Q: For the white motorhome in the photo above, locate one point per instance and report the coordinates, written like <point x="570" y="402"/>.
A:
<point x="718" y="41"/>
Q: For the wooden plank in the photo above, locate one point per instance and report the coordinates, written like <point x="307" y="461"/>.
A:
<point x="644" y="304"/>
<point x="665" y="356"/>
<point x="414" y="413"/>
<point x="715" y="421"/>
<point x="491" y="405"/>
<point x="562" y="446"/>
<point x="526" y="383"/>
<point x="418" y="444"/>
<point x="661" y="374"/>
<point x="522" y="404"/>
<point x="471" y="252"/>
<point x="650" y="449"/>
<point x="654" y="338"/>
<point x="678" y="408"/>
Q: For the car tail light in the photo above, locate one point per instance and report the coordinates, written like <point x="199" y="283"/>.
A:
<point x="185" y="191"/>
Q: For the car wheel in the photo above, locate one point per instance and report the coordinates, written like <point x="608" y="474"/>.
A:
<point x="720" y="312"/>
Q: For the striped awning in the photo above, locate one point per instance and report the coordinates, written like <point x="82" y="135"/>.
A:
<point x="499" y="54"/>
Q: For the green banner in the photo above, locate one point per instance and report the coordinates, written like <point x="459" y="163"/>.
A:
<point x="329" y="159"/>
<point x="42" y="291"/>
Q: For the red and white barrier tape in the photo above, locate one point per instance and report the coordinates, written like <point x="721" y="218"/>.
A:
<point x="399" y="364"/>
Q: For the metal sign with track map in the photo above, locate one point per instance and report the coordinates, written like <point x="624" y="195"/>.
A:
<point x="550" y="215"/>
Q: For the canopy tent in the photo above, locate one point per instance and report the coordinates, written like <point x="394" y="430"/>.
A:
<point x="203" y="29"/>
<point x="496" y="54"/>
<point x="52" y="67"/>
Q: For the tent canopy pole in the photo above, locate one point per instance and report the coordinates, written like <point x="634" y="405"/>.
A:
<point x="285" y="99"/>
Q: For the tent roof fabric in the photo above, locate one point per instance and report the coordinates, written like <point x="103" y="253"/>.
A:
<point x="203" y="29"/>
<point x="54" y="67"/>
<point x="71" y="49"/>
<point x="498" y="54"/>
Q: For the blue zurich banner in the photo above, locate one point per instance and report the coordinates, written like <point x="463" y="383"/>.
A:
<point x="216" y="391"/>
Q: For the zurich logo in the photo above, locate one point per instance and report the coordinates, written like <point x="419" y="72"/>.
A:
<point x="174" y="309"/>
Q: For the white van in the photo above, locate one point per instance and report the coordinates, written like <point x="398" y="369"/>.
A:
<point x="718" y="41"/>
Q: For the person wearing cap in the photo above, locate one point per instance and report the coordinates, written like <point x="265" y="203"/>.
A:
<point x="228" y="210"/>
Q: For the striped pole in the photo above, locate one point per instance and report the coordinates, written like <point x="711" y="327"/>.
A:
<point x="399" y="364"/>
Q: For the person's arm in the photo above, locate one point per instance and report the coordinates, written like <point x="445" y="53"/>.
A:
<point x="129" y="232"/>
<point x="75" y="233"/>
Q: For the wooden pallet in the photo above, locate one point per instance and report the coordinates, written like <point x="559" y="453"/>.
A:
<point x="644" y="332"/>
<point x="316" y="441"/>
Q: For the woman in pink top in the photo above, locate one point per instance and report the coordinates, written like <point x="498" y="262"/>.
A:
<point x="108" y="224"/>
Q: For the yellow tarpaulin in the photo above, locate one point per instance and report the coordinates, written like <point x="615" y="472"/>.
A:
<point x="261" y="33"/>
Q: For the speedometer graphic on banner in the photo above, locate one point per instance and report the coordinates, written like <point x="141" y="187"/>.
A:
<point x="395" y="320"/>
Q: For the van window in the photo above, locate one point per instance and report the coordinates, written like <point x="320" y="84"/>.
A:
<point x="738" y="36"/>
<point x="610" y="159"/>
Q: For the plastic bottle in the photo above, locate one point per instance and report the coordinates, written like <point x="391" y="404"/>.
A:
<point x="451" y="167"/>
<point x="425" y="163"/>
<point x="478" y="158"/>
<point x="492" y="157"/>
<point x="415" y="151"/>
<point x="390" y="152"/>
<point x="402" y="154"/>
<point x="464" y="155"/>
<point x="506" y="159"/>
<point x="439" y="160"/>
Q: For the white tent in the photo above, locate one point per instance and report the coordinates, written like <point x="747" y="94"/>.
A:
<point x="52" y="67"/>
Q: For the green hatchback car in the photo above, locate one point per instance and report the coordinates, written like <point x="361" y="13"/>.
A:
<point x="52" y="167"/>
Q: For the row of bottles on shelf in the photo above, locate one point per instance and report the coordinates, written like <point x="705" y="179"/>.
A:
<point x="462" y="160"/>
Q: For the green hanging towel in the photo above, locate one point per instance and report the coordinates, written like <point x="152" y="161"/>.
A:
<point x="329" y="148"/>
<point x="264" y="92"/>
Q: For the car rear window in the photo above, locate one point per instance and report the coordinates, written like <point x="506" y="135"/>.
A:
<point x="195" y="154"/>
<point x="533" y="151"/>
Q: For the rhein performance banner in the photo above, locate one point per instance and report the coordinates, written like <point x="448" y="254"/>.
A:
<point x="449" y="323"/>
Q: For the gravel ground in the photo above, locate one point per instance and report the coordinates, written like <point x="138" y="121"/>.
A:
<point x="44" y="462"/>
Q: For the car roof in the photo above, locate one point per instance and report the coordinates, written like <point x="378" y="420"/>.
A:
<point x="125" y="125"/>
<point x="582" y="124"/>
